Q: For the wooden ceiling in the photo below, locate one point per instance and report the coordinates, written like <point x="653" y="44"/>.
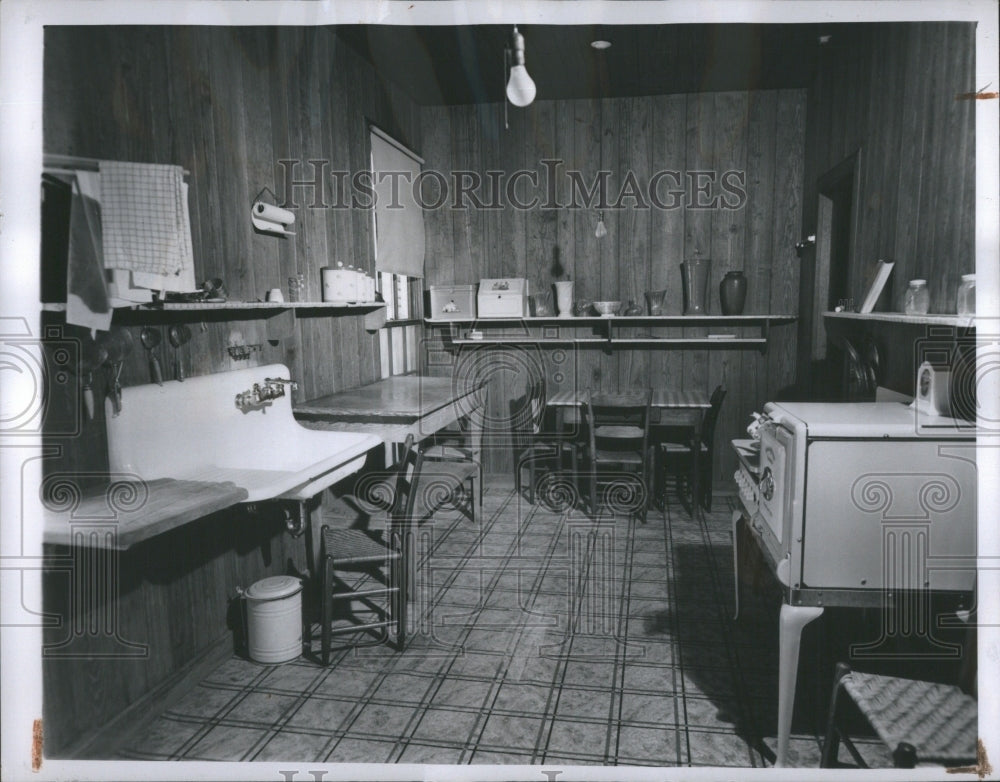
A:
<point x="464" y="64"/>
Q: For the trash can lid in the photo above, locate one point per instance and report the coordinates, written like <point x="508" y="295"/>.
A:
<point x="274" y="587"/>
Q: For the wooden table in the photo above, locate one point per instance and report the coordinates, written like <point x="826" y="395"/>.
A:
<point x="395" y="407"/>
<point x="669" y="407"/>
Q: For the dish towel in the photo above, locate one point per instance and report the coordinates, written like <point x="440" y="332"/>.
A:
<point x="87" y="301"/>
<point x="146" y="223"/>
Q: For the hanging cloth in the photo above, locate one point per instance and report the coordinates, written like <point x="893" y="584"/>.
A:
<point x="146" y="223"/>
<point x="87" y="300"/>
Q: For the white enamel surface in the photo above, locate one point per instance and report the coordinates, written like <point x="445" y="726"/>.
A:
<point x="193" y="430"/>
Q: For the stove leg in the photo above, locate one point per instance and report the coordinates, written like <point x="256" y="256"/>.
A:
<point x="737" y="515"/>
<point x="793" y="619"/>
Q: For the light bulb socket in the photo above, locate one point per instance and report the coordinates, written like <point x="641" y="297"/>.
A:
<point x="517" y="47"/>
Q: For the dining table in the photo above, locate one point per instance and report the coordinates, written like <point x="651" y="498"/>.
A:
<point x="669" y="407"/>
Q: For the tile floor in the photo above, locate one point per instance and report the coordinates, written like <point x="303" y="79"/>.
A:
<point x="539" y="637"/>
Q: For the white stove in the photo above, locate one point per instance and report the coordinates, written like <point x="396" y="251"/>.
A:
<point x="858" y="504"/>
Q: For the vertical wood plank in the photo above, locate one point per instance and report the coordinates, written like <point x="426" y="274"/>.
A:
<point x="728" y="253"/>
<point x="700" y="132"/>
<point x="587" y="152"/>
<point x="787" y="214"/>
<point x="760" y="205"/>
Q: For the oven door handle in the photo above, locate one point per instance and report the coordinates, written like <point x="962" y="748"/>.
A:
<point x="767" y="484"/>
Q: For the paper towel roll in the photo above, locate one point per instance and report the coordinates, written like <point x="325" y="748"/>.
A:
<point x="272" y="219"/>
<point x="273" y="214"/>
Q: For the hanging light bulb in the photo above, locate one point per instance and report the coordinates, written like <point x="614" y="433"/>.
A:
<point x="602" y="229"/>
<point x="520" y="87"/>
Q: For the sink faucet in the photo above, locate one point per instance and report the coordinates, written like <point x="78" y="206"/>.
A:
<point x="261" y="395"/>
<point x="274" y="387"/>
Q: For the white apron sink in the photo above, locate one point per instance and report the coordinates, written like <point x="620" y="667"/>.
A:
<point x="194" y="430"/>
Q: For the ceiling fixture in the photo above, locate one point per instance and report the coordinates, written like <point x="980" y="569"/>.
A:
<point x="601" y="44"/>
<point x="520" y="87"/>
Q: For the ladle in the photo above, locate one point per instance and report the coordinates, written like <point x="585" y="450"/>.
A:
<point x="179" y="335"/>
<point x="150" y="338"/>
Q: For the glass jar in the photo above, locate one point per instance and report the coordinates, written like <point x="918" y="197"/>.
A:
<point x="966" y="304"/>
<point x="918" y="298"/>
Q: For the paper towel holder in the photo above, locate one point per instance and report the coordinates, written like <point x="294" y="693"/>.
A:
<point x="269" y="218"/>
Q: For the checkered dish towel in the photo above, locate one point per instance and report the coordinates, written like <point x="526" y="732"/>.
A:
<point x="146" y="223"/>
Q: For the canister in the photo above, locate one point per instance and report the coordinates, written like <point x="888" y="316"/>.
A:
<point x="274" y="619"/>
<point x="339" y="284"/>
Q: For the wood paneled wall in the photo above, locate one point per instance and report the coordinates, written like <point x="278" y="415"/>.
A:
<point x="226" y="104"/>
<point x="127" y="630"/>
<point x="893" y="94"/>
<point x="760" y="134"/>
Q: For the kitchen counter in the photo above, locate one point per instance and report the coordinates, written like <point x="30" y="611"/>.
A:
<point x="122" y="514"/>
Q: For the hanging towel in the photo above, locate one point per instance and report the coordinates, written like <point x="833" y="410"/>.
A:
<point x="184" y="282"/>
<point x="87" y="301"/>
<point x="146" y="223"/>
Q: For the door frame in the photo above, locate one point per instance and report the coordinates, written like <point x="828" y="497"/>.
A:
<point x="826" y="183"/>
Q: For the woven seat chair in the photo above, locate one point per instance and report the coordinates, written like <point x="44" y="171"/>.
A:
<point x="535" y="445"/>
<point x="677" y="458"/>
<point x="452" y="445"/>
<point x="417" y="489"/>
<point x="364" y="553"/>
<point x="618" y="439"/>
<point x="920" y="722"/>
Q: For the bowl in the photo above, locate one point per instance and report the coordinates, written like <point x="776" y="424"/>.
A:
<point x="607" y="309"/>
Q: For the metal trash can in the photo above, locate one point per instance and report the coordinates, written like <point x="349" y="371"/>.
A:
<point x="274" y="619"/>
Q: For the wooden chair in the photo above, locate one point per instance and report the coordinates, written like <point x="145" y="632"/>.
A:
<point x="416" y="491"/>
<point x="534" y="445"/>
<point x="454" y="445"/>
<point x="618" y="438"/>
<point x="677" y="457"/>
<point x="920" y="722"/>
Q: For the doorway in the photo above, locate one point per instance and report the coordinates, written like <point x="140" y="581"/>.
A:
<point x="835" y="223"/>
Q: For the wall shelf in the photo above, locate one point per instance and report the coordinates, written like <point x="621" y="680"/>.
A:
<point x="963" y="321"/>
<point x="131" y="313"/>
<point x="691" y="321"/>
<point x="606" y="331"/>
<point x="655" y="342"/>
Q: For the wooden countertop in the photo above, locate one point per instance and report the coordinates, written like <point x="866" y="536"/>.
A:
<point x="401" y="399"/>
<point x="122" y="514"/>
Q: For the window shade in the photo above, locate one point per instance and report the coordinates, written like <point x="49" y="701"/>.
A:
<point x="399" y="227"/>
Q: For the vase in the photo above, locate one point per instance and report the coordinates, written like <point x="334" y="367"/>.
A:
<point x="564" y="298"/>
<point x="633" y="308"/>
<point x="541" y="304"/>
<point x="733" y="293"/>
<point x="694" y="275"/>
<point x="655" y="301"/>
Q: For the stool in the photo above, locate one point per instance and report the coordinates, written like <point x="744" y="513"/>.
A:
<point x="920" y="722"/>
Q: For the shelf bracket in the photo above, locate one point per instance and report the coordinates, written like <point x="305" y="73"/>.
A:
<point x="765" y="333"/>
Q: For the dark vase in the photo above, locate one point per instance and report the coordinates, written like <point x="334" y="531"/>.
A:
<point x="733" y="293"/>
<point x="694" y="275"/>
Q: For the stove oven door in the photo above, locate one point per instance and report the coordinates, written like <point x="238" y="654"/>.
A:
<point x="779" y="492"/>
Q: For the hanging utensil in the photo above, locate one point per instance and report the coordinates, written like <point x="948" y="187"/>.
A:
<point x="115" y="349"/>
<point x="178" y="334"/>
<point x="127" y="342"/>
<point x="92" y="356"/>
<point x="150" y="339"/>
